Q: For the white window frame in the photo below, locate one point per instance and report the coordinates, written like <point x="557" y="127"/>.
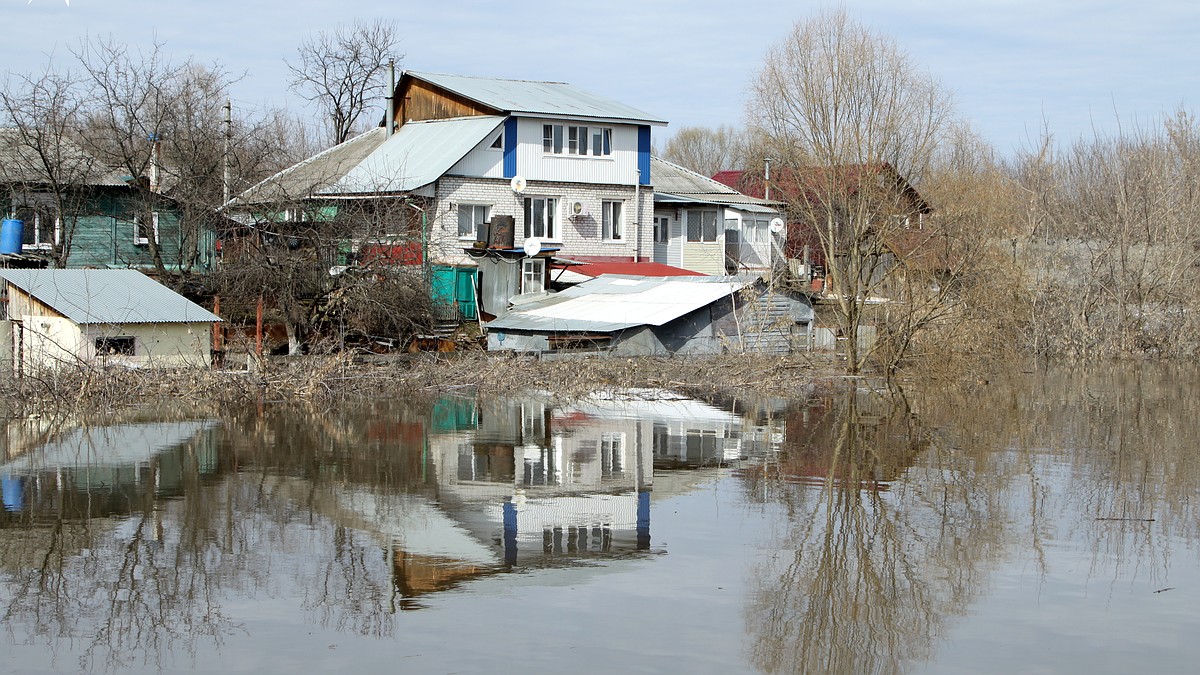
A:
<point x="548" y="228"/>
<point x="707" y="224"/>
<point x="138" y="239"/>
<point x="576" y="140"/>
<point x="480" y="214"/>
<point x="662" y="229"/>
<point x="533" y="275"/>
<point x="612" y="224"/>
<point x="38" y="244"/>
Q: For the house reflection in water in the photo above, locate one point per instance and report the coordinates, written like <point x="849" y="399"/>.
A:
<point x="102" y="471"/>
<point x="546" y="485"/>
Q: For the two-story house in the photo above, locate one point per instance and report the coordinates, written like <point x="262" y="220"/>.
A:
<point x="551" y="164"/>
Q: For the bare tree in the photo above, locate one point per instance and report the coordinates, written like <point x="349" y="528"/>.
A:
<point x="47" y="175"/>
<point x="343" y="70"/>
<point x="1113" y="255"/>
<point x="706" y="151"/>
<point x="850" y="116"/>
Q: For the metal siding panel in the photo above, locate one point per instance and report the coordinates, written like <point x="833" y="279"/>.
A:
<point x="510" y="147"/>
<point x="644" y="155"/>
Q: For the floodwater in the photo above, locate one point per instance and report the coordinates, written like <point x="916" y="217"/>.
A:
<point x="1046" y="523"/>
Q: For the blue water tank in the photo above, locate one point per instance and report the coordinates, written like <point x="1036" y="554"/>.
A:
<point x="10" y="235"/>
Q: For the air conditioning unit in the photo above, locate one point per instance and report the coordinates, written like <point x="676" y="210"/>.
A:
<point x="577" y="209"/>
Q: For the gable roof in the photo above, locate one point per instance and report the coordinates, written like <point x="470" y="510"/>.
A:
<point x="613" y="302"/>
<point x="533" y="98"/>
<point x="808" y="180"/>
<point x="416" y="155"/>
<point x="674" y="183"/>
<point x="20" y="162"/>
<point x="107" y="296"/>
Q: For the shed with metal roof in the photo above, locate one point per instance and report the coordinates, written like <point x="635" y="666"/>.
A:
<point x="630" y="315"/>
<point x="57" y="317"/>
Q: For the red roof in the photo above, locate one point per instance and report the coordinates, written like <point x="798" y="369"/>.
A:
<point x="643" y="269"/>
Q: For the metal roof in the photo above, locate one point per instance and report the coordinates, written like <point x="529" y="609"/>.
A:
<point x="374" y="163"/>
<point x="315" y="173"/>
<point x="527" y="98"/>
<point x="20" y="162"/>
<point x="678" y="184"/>
<point x="613" y="302"/>
<point x="416" y="155"/>
<point x="107" y="296"/>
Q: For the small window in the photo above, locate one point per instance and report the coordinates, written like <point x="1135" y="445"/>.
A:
<point x="613" y="229"/>
<point x="662" y="230"/>
<point x="552" y="138"/>
<point x="533" y="275"/>
<point x="40" y="229"/>
<point x="470" y="218"/>
<point x="498" y="144"/>
<point x="540" y="217"/>
<point x="701" y="226"/>
<point x="114" y="346"/>
<point x="147" y="227"/>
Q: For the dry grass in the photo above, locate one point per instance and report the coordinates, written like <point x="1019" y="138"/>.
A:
<point x="328" y="380"/>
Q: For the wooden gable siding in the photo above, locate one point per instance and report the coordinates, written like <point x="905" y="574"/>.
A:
<point x="22" y="304"/>
<point x="420" y="101"/>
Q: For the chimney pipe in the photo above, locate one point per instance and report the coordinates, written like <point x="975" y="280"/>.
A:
<point x="391" y="97"/>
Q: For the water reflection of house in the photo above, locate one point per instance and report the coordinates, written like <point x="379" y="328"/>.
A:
<point x="100" y="471"/>
<point x="517" y="481"/>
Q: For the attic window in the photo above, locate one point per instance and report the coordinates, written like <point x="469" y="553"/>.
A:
<point x="114" y="346"/>
<point x="498" y="144"/>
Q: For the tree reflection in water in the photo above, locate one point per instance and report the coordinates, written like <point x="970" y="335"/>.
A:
<point x="897" y="511"/>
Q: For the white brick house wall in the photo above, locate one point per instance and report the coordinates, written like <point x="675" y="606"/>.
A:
<point x="579" y="236"/>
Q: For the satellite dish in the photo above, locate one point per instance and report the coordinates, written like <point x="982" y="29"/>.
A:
<point x="533" y="246"/>
<point x="776" y="225"/>
<point x="518" y="184"/>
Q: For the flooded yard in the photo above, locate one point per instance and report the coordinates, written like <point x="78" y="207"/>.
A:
<point x="1045" y="523"/>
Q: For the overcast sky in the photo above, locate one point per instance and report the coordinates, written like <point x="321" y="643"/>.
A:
<point x="1014" y="65"/>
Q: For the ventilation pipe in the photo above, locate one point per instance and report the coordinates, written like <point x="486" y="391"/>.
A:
<point x="391" y="97"/>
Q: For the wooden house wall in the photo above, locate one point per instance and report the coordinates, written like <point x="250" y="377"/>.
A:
<point x="105" y="231"/>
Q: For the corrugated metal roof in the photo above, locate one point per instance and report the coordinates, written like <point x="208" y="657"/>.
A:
<point x="21" y="163"/>
<point x="526" y="97"/>
<point x="416" y="155"/>
<point x="614" y="302"/>
<point x="640" y="269"/>
<point x="373" y="163"/>
<point x="108" y="296"/>
<point x="315" y="173"/>
<point x="677" y="184"/>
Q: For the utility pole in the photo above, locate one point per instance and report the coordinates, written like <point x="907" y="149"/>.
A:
<point x="225" y="152"/>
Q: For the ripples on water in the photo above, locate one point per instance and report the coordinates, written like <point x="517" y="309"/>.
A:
<point x="1043" y="523"/>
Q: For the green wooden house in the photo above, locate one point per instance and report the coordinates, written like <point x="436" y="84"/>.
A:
<point x="81" y="214"/>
